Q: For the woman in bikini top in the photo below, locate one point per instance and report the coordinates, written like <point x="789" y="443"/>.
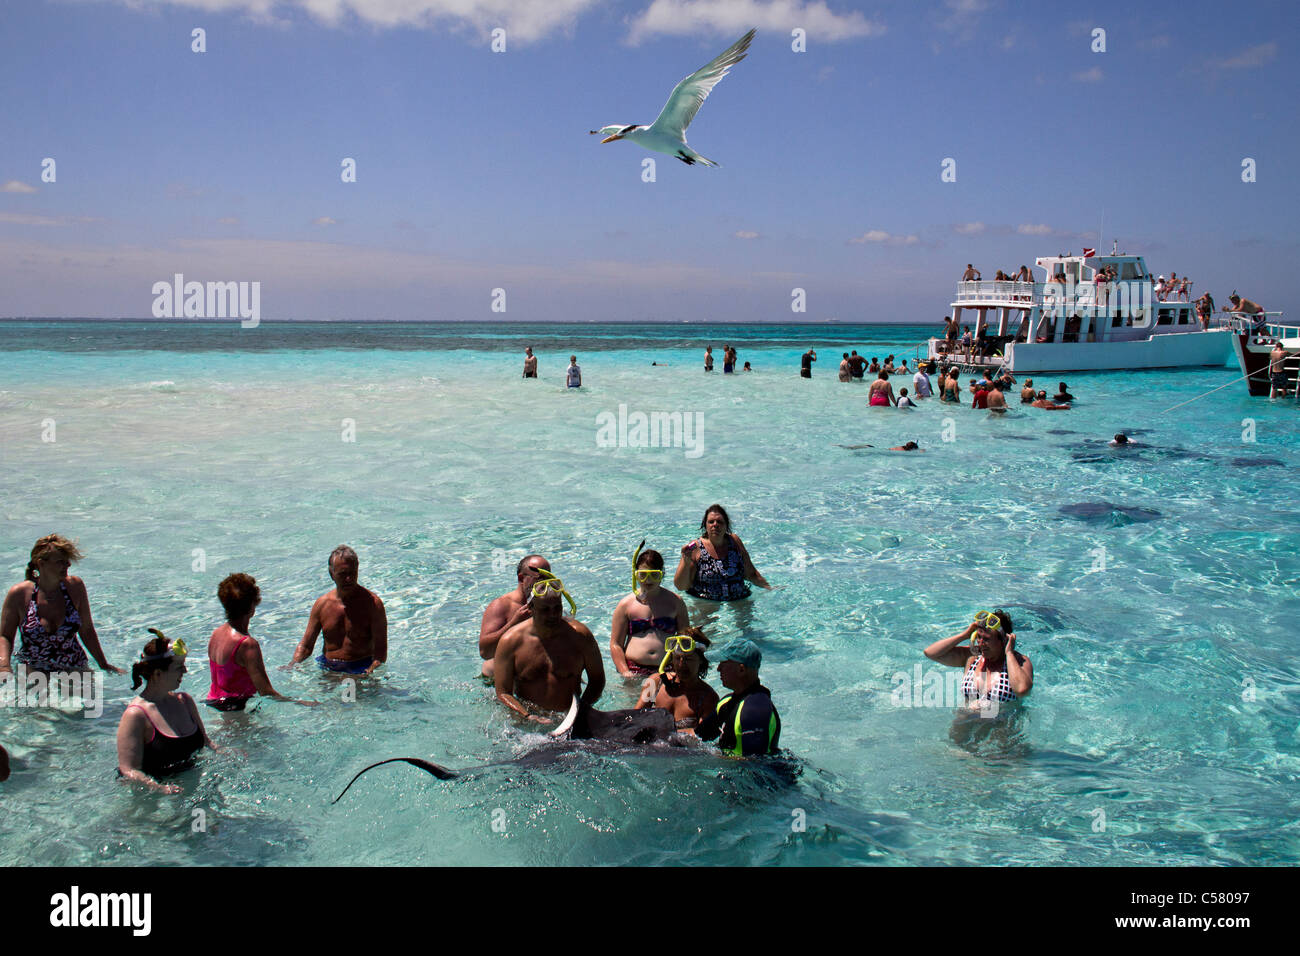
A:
<point x="994" y="672"/>
<point x="679" y="687"/>
<point x="645" y="618"/>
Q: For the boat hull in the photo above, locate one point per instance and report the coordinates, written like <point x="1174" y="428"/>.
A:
<point x="1253" y="353"/>
<point x="1170" y="350"/>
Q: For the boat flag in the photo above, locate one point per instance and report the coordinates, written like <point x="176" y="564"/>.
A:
<point x="1089" y="253"/>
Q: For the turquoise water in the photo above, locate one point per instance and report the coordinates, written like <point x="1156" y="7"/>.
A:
<point x="1163" y="723"/>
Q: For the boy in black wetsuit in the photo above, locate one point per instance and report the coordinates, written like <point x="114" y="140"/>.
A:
<point x="749" y="704"/>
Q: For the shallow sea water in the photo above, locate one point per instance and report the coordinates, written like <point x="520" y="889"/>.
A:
<point x="1164" y="726"/>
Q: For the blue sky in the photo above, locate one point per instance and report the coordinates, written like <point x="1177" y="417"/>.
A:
<point x="475" y="170"/>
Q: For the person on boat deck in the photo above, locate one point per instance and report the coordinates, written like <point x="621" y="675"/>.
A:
<point x="1023" y="275"/>
<point x="716" y="565"/>
<point x="995" y="672"/>
<point x="1247" y="307"/>
<point x="152" y="737"/>
<point x="645" y="619"/>
<point x="970" y="274"/>
<point x="1204" y="309"/>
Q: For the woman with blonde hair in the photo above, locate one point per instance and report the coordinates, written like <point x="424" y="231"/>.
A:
<point x="51" y="613"/>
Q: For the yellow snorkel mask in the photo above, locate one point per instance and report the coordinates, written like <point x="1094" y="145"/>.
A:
<point x="639" y="548"/>
<point x="177" y="649"/>
<point x="549" y="582"/>
<point x="680" y="643"/>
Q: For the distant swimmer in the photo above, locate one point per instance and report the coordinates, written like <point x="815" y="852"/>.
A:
<point x="530" y="363"/>
<point x="50" y="612"/>
<point x="747" y="368"/>
<point x="235" y="658"/>
<point x="910" y="446"/>
<point x="509" y="609"/>
<point x="350" y="617"/>
<point x="995" y="672"/>
<point x="716" y="565"/>
<point x="646" y="618"/>
<point x="160" y="731"/>
<point x="1063" y="394"/>
<point x="573" y="374"/>
<point x="708" y="359"/>
<point x="541" y="660"/>
<point x="1120" y="440"/>
<point x="745" y="720"/>
<point x="678" y="686"/>
<point x="1042" y="402"/>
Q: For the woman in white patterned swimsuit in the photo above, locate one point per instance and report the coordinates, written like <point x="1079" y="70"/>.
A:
<point x="995" y="672"/>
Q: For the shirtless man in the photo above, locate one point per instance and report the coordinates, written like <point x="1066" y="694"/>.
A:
<point x="1027" y="394"/>
<point x="1277" y="377"/>
<point x="350" y="617"/>
<point x="509" y="609"/>
<point x="530" y="363"/>
<point x="1042" y="402"/>
<point x="997" y="402"/>
<point x="970" y="274"/>
<point x="1246" y="307"/>
<point x="540" y="660"/>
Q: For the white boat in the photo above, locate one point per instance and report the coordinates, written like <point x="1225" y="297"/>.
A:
<point x="1071" y="323"/>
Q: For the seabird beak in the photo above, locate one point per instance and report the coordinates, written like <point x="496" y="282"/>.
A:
<point x="610" y="139"/>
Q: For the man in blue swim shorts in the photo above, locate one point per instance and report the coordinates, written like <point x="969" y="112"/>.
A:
<point x="350" y="617"/>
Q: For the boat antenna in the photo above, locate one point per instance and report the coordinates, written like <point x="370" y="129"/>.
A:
<point x="1102" y="231"/>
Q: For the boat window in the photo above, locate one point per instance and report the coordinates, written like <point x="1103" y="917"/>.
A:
<point x="1129" y="270"/>
<point x="1165" y="317"/>
<point x="1183" y="318"/>
<point x="1117" y="322"/>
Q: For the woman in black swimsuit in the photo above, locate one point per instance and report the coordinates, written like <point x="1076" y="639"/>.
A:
<point x="161" y="730"/>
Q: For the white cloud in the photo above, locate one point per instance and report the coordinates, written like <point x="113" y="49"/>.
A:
<point x="968" y="228"/>
<point x="1089" y="76"/>
<point x="746" y="234"/>
<point x="879" y="235"/>
<point x="25" y="219"/>
<point x="229" y="220"/>
<point x="1251" y="57"/>
<point x="1029" y="229"/>
<point x="324" y="221"/>
<point x="525" y="21"/>
<point x="727" y="17"/>
<point x="14" y="186"/>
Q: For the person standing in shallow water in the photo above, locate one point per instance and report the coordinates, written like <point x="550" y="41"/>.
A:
<point x="351" y="619"/>
<point x="716" y="566"/>
<point x="708" y="359"/>
<point x="509" y="609"/>
<point x="573" y="374"/>
<point x="805" y="370"/>
<point x="235" y="658"/>
<point x="50" y="611"/>
<point x="530" y="363"/>
<point x="160" y="731"/>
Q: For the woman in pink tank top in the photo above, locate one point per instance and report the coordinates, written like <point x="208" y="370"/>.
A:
<point x="238" y="673"/>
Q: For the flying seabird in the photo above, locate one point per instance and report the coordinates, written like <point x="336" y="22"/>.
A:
<point x="667" y="134"/>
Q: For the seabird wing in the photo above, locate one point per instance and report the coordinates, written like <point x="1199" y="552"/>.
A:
<point x="689" y="95"/>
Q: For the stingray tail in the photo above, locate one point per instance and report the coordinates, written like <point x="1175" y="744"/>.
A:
<point x="442" y="773"/>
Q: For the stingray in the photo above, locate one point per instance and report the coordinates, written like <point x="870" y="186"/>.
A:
<point x="1061" y="431"/>
<point x="1050" y="616"/>
<point x="1018" y="437"/>
<point x="1255" y="462"/>
<point x="1104" y="512"/>
<point x="598" y="731"/>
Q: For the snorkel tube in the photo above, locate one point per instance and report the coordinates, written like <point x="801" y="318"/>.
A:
<point x="639" y="548"/>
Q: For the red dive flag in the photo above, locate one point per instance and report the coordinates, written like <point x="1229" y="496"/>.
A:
<point x="1089" y="253"/>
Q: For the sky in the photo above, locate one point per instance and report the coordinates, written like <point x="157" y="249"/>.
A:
<point x="475" y="171"/>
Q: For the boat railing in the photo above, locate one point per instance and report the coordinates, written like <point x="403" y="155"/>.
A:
<point x="1248" y="322"/>
<point x="977" y="291"/>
